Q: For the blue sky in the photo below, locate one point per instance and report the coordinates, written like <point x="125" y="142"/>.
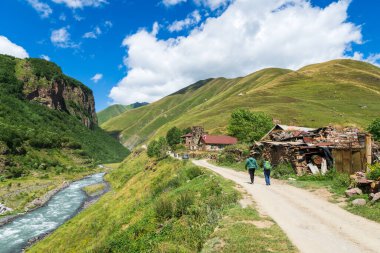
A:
<point x="142" y="54"/>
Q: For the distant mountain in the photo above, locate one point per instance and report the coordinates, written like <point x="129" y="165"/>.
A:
<point x="339" y="92"/>
<point x="47" y="121"/>
<point x="115" y="110"/>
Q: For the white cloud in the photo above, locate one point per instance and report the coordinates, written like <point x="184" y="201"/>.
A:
<point x="97" y="77"/>
<point x="172" y="2"/>
<point x="108" y="24"/>
<point x="62" y="38"/>
<point x="372" y="58"/>
<point x="45" y="57"/>
<point x="249" y="35"/>
<point x="75" y="4"/>
<point x="212" y="4"/>
<point x="9" y="48"/>
<point x="42" y="8"/>
<point x="78" y="17"/>
<point x="191" y="20"/>
<point x="93" y="34"/>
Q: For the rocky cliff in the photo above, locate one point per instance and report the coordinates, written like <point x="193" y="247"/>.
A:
<point x="44" y="83"/>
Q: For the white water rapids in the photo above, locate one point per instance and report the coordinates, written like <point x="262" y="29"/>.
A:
<point x="15" y="235"/>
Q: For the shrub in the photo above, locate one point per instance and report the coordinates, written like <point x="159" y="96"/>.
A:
<point x="374" y="172"/>
<point x="183" y="202"/>
<point x="341" y="180"/>
<point x="158" y="148"/>
<point x="249" y="126"/>
<point x="283" y="170"/>
<point x="164" y="208"/>
<point x="173" y="136"/>
<point x="194" y="172"/>
<point x="374" y="129"/>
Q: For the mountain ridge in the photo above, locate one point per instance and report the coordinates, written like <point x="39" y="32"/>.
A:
<point x="339" y="92"/>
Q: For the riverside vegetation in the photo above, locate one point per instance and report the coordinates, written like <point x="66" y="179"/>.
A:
<point x="156" y="203"/>
<point x="42" y="147"/>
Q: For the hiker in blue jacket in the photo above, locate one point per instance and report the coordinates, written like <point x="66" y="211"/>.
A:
<point x="267" y="169"/>
<point x="251" y="166"/>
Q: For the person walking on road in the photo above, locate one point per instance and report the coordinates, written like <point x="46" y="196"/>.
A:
<point x="267" y="168"/>
<point x="251" y="166"/>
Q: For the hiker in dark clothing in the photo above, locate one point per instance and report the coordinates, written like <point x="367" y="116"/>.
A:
<point x="267" y="168"/>
<point x="251" y="166"/>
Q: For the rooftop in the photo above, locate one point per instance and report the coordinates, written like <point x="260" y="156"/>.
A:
<point x="219" y="139"/>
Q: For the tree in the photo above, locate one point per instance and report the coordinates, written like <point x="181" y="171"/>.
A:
<point x="374" y="129"/>
<point x="249" y="126"/>
<point x="173" y="136"/>
<point x="158" y="148"/>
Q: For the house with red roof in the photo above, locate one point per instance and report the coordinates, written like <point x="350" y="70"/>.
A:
<point x="215" y="142"/>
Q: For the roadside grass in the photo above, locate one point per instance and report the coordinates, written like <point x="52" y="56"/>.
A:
<point x="244" y="230"/>
<point x="158" y="206"/>
<point x="370" y="210"/>
<point x="337" y="184"/>
<point x="16" y="193"/>
<point x="94" y="189"/>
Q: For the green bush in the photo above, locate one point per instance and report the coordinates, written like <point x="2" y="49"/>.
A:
<point x="158" y="148"/>
<point x="249" y="126"/>
<point x="193" y="172"/>
<point x="164" y="208"/>
<point x="374" y="172"/>
<point x="341" y="180"/>
<point x="173" y="136"/>
<point x="283" y="170"/>
<point x="183" y="202"/>
<point x="374" y="129"/>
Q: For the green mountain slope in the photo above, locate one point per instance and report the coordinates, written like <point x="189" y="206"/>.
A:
<point x="115" y="110"/>
<point x="34" y="137"/>
<point x="338" y="92"/>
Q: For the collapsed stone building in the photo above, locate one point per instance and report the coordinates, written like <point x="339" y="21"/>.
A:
<point x="317" y="150"/>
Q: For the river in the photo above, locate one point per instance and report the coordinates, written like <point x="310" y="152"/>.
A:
<point x="15" y="235"/>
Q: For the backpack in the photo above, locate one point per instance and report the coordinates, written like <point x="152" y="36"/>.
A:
<point x="267" y="165"/>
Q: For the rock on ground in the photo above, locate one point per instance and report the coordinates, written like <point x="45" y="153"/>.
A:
<point x="353" y="192"/>
<point x="375" y="197"/>
<point x="359" y="202"/>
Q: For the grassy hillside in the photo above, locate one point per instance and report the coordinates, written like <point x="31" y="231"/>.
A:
<point x="154" y="205"/>
<point x="115" y="110"/>
<point x="338" y="92"/>
<point x="35" y="137"/>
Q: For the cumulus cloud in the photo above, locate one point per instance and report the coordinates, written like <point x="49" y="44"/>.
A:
<point x="79" y="4"/>
<point x="45" y="57"/>
<point x="191" y="20"/>
<point x="93" y="34"/>
<point x="9" y="48"/>
<point x="62" y="38"/>
<point x="249" y="35"/>
<point x="97" y="77"/>
<point x="42" y="8"/>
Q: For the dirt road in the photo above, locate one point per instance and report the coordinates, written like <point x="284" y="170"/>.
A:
<point x="311" y="223"/>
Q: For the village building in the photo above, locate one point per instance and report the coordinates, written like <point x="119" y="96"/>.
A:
<point x="198" y="139"/>
<point x="191" y="140"/>
<point x="215" y="142"/>
<point x="317" y="150"/>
